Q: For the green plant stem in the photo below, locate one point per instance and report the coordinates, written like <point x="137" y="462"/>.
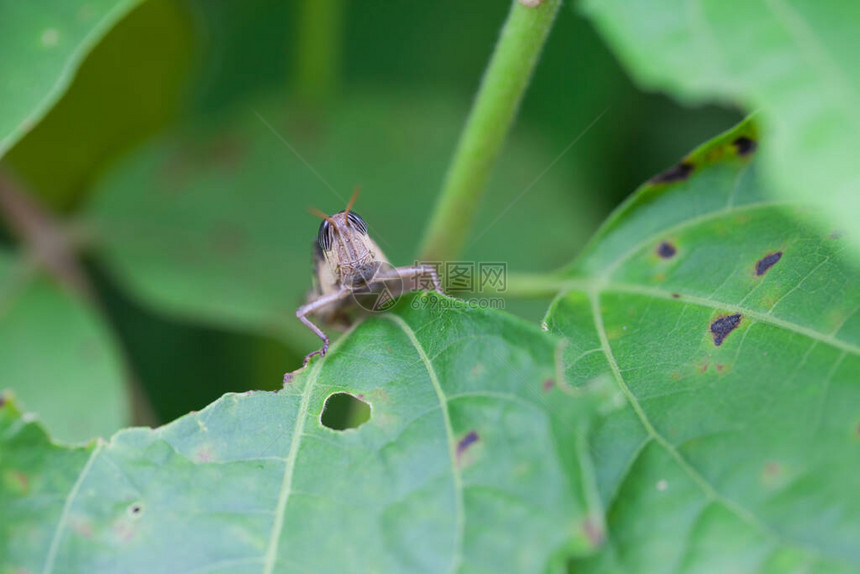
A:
<point x="318" y="43"/>
<point x="534" y="285"/>
<point x="492" y="115"/>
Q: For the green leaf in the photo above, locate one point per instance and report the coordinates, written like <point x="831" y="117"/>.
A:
<point x="732" y="329"/>
<point x="126" y="89"/>
<point x="211" y="222"/>
<point x="473" y="460"/>
<point x="794" y="60"/>
<point x="43" y="45"/>
<point x="58" y="356"/>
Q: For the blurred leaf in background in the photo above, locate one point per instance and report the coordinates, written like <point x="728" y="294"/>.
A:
<point x="59" y="355"/>
<point x="129" y="87"/>
<point x="43" y="45"/>
<point x="793" y="61"/>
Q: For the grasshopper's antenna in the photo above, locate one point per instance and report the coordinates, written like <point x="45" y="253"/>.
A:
<point x="351" y="201"/>
<point x="321" y="215"/>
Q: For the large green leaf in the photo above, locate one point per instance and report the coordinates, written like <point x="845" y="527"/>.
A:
<point x="794" y="60"/>
<point x="58" y="356"/>
<point x="733" y="331"/>
<point x="473" y="460"/>
<point x="211" y="222"/>
<point x="42" y="44"/>
<point x="125" y="89"/>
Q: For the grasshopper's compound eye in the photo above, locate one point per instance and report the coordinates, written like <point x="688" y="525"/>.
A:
<point x="325" y="235"/>
<point x="357" y="222"/>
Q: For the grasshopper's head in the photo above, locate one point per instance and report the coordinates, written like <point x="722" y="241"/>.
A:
<point x="345" y="245"/>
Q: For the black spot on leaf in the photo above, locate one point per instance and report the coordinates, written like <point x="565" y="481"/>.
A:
<point x="666" y="250"/>
<point x="465" y="442"/>
<point x="766" y="262"/>
<point x="723" y="326"/>
<point x="745" y="145"/>
<point x="135" y="509"/>
<point x="675" y="173"/>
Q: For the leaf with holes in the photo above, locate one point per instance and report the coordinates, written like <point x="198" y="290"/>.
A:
<point x="733" y="331"/>
<point x="473" y="459"/>
<point x="795" y="61"/>
<point x="43" y="44"/>
<point x="58" y="356"/>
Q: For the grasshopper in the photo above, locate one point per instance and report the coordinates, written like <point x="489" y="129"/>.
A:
<point x="350" y="269"/>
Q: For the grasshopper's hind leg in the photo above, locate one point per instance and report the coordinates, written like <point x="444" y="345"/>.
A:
<point x="415" y="271"/>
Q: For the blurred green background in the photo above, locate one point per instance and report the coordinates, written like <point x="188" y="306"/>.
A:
<point x="179" y="167"/>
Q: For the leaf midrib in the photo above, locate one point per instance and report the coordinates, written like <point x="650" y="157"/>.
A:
<point x="289" y="469"/>
<point x="457" y="556"/>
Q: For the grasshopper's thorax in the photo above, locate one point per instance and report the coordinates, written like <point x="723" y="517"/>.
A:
<point x="351" y="255"/>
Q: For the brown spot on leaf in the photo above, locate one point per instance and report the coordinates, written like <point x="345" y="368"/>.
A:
<point x="772" y="473"/>
<point x="228" y="240"/>
<point x="723" y="326"/>
<point x="226" y="151"/>
<point x="719" y="367"/>
<point x="766" y="262"/>
<point x="676" y="295"/>
<point x="18" y="481"/>
<point x="82" y="528"/>
<point x="548" y="384"/>
<point x="204" y="455"/>
<point x="123" y="531"/>
<point x="772" y="469"/>
<point x="666" y="250"/>
<point x="593" y="531"/>
<point x="745" y="145"/>
<point x="2" y="401"/>
<point x="675" y="173"/>
<point x="465" y="442"/>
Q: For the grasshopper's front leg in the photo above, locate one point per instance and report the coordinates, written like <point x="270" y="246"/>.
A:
<point x="315" y="305"/>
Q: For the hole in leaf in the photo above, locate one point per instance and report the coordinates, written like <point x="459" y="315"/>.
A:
<point x="135" y="509"/>
<point x="343" y="411"/>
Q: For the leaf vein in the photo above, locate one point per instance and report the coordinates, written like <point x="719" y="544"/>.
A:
<point x="64" y="515"/>
<point x="443" y="402"/>
<point x="707" y="488"/>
